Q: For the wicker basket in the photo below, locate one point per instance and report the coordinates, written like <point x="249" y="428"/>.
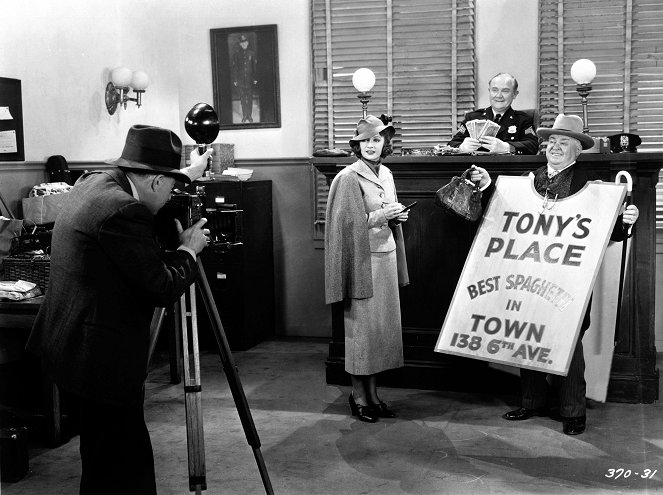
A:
<point x="35" y="269"/>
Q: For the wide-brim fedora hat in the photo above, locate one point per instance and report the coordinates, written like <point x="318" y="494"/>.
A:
<point x="152" y="149"/>
<point x="369" y="127"/>
<point x="567" y="125"/>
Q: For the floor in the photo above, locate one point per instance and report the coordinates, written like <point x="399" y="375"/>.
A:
<point x="441" y="443"/>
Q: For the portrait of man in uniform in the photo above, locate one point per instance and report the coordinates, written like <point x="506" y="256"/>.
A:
<point x="245" y="77"/>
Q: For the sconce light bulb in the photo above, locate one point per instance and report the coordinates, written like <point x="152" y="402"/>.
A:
<point x="363" y="80"/>
<point x="121" y="77"/>
<point x="583" y="71"/>
<point x="139" y="81"/>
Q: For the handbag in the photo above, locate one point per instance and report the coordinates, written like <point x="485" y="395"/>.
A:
<point x="461" y="197"/>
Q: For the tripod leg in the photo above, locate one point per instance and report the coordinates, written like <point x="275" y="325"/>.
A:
<point x="155" y="327"/>
<point x="172" y="323"/>
<point x="233" y="377"/>
<point x="193" y="395"/>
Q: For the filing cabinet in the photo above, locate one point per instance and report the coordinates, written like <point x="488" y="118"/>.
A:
<point x="239" y="263"/>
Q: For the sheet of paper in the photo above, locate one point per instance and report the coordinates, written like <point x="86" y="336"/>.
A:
<point x="5" y="114"/>
<point x="8" y="142"/>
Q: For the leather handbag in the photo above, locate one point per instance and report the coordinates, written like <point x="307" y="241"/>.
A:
<point x="461" y="197"/>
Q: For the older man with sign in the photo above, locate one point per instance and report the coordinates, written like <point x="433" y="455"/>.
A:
<point x="524" y="296"/>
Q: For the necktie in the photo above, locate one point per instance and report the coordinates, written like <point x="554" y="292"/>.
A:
<point x="497" y="118"/>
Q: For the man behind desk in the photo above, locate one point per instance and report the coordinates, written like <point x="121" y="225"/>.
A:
<point x="107" y="275"/>
<point x="516" y="134"/>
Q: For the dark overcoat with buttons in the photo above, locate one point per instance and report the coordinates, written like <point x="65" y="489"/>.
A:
<point x="107" y="275"/>
<point x="516" y="128"/>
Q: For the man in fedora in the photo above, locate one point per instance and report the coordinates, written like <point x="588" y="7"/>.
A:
<point x="107" y="275"/>
<point x="559" y="178"/>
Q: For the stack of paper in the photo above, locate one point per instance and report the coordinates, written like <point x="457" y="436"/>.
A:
<point x="481" y="128"/>
<point x="18" y="290"/>
<point x="240" y="173"/>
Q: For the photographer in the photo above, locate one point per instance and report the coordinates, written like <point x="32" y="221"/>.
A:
<point x="107" y="275"/>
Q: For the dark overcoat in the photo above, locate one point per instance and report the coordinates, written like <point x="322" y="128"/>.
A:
<point x="107" y="275"/>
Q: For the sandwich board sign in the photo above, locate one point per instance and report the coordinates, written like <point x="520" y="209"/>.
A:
<point x="529" y="275"/>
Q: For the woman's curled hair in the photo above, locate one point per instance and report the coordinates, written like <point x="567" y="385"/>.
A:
<point x="387" y="149"/>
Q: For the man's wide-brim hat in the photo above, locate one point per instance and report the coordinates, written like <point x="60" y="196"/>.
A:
<point x="151" y="149"/>
<point x="567" y="125"/>
<point x="369" y="127"/>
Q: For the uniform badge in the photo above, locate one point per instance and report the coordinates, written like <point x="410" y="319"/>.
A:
<point x="462" y="128"/>
<point x="530" y="131"/>
<point x="512" y="129"/>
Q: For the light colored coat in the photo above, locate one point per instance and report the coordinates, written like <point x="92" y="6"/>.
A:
<point x="355" y="227"/>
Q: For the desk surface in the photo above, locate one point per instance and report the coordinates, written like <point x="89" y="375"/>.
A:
<point x="27" y="305"/>
<point x="19" y="314"/>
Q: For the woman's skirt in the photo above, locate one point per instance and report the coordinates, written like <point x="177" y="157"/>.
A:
<point x="373" y="332"/>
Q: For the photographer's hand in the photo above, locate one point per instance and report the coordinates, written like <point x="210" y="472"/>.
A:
<point x="195" y="238"/>
<point x="198" y="164"/>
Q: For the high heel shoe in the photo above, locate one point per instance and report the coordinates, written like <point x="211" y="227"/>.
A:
<point x="382" y="410"/>
<point x="364" y="413"/>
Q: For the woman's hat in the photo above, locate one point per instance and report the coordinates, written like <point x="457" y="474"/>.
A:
<point x="567" y="125"/>
<point x="152" y="149"/>
<point x="369" y="127"/>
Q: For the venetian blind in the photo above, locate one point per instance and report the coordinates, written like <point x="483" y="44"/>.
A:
<point x="624" y="40"/>
<point x="422" y="54"/>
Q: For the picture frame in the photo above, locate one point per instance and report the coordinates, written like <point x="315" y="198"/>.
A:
<point x="245" y="76"/>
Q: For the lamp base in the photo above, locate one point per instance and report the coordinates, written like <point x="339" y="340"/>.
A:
<point x="112" y="98"/>
<point x="601" y="145"/>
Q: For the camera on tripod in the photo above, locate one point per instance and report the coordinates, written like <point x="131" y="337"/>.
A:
<point x="186" y="207"/>
<point x="223" y="220"/>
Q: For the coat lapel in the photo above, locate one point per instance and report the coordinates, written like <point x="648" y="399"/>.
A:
<point x="365" y="171"/>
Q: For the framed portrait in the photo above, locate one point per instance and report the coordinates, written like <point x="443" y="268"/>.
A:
<point x="245" y="77"/>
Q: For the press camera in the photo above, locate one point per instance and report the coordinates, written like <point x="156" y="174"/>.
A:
<point x="223" y="220"/>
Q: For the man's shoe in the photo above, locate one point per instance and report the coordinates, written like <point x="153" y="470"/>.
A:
<point x="523" y="413"/>
<point x="574" y="426"/>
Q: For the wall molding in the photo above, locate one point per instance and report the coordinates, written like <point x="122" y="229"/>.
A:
<point x="83" y="164"/>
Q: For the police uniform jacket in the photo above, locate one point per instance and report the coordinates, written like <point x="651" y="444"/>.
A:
<point x="107" y="275"/>
<point x="516" y="128"/>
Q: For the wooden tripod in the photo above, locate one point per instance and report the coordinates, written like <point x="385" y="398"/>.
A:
<point x="188" y="320"/>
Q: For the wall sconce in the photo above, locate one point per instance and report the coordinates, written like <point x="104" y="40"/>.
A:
<point x="363" y="80"/>
<point x="122" y="80"/>
<point x="583" y="72"/>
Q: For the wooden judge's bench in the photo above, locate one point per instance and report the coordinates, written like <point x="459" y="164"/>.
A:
<point x="437" y="244"/>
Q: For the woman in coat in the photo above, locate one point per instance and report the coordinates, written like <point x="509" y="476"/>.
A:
<point x="365" y="264"/>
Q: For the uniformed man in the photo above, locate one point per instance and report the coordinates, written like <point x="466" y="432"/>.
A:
<point x="516" y="134"/>
<point x="245" y="77"/>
